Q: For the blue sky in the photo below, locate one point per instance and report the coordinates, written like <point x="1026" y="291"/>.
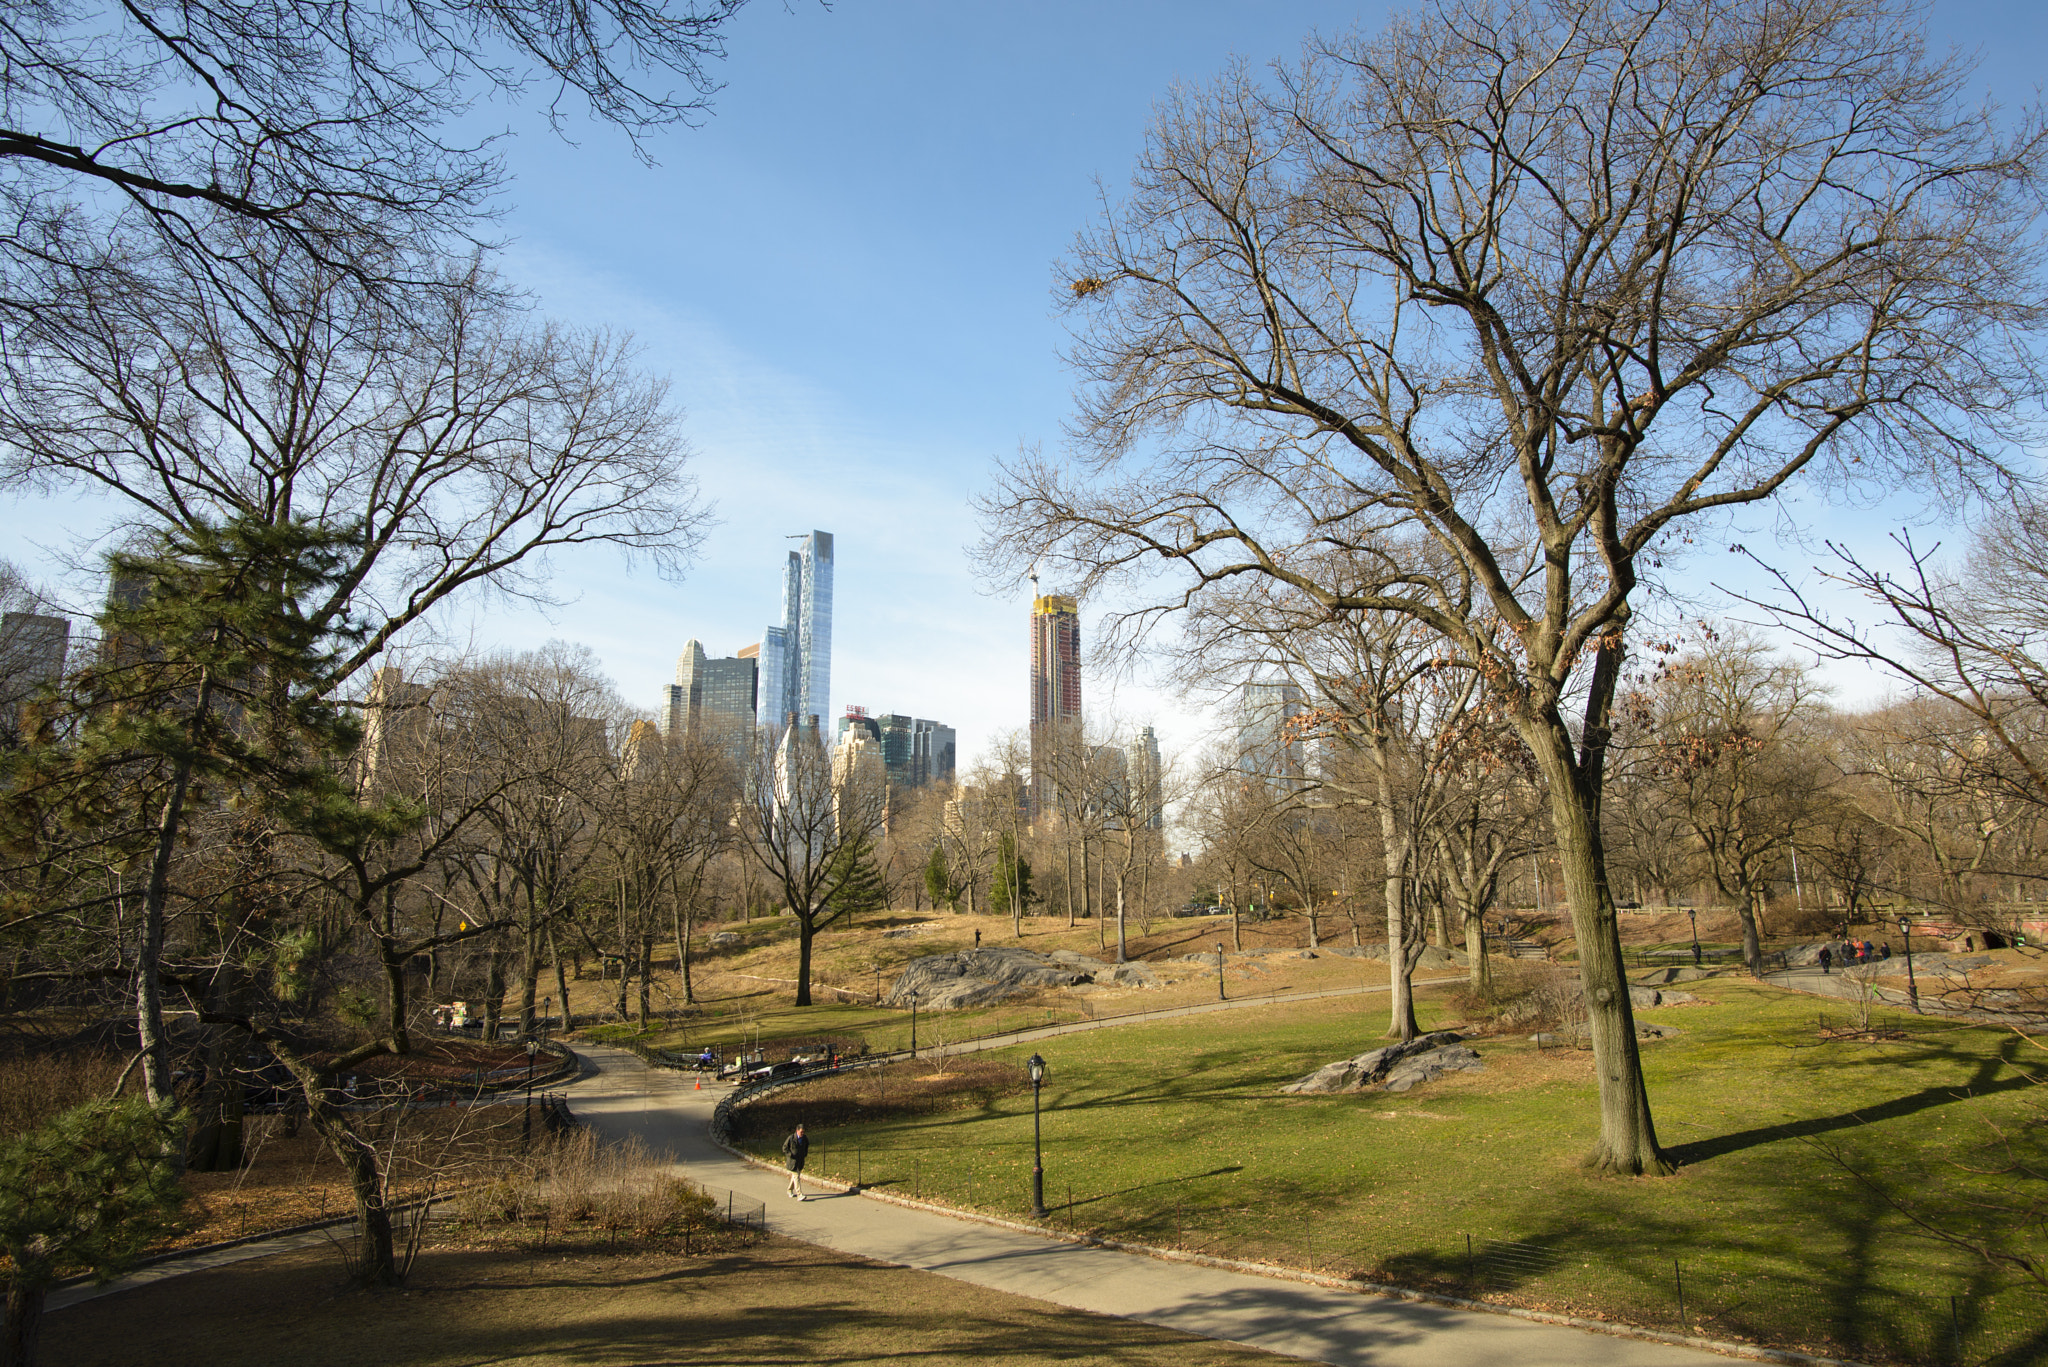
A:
<point x="846" y="272"/>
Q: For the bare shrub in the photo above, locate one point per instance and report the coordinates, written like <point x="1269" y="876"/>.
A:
<point x="1526" y="995"/>
<point x="1799" y="922"/>
<point x="493" y="1203"/>
<point x="568" y="1177"/>
<point x="38" y="1083"/>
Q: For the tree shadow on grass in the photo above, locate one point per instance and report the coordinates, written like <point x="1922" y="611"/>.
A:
<point x="1985" y="1082"/>
<point x="783" y="1304"/>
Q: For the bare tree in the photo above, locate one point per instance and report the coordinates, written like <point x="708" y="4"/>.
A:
<point x="1474" y="321"/>
<point x="322" y="130"/>
<point x="455" y="445"/>
<point x="1725" y="732"/>
<point x="810" y="830"/>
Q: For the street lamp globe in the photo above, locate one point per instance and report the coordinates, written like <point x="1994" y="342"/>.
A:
<point x="1905" y="926"/>
<point x="1036" y="1067"/>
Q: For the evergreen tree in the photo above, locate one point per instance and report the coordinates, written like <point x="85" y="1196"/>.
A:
<point x="856" y="882"/>
<point x="1011" y="893"/>
<point x="938" y="879"/>
<point x="89" y="1189"/>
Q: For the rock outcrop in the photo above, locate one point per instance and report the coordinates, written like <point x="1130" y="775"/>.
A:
<point x="1641" y="997"/>
<point x="1394" y="1068"/>
<point x="977" y="977"/>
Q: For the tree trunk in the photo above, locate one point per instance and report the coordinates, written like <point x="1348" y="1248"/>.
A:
<point x="1628" y="1136"/>
<point x="646" y="975"/>
<point x="494" y="991"/>
<point x="804" y="935"/>
<point x="1120" y="953"/>
<point x="1478" y="973"/>
<point x="529" y="981"/>
<point x="1752" y="931"/>
<point x="24" y="1321"/>
<point x="1401" y="1024"/>
<point x="683" y="954"/>
<point x="1069" y="845"/>
<point x="561" y="980"/>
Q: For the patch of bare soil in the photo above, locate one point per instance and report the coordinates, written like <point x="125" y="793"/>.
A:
<point x="774" y="1301"/>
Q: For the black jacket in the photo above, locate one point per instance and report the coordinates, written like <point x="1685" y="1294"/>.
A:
<point x="796" y="1148"/>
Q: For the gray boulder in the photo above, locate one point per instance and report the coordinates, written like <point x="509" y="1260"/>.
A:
<point x="1131" y="974"/>
<point x="977" y="977"/>
<point x="725" y="939"/>
<point x="1396" y="1067"/>
<point x="1688" y="974"/>
<point x="1432" y="1064"/>
<point x="1642" y="997"/>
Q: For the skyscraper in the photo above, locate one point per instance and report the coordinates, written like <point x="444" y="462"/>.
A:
<point x="898" y="731"/>
<point x="1265" y="744"/>
<point x="1145" y="777"/>
<point x="796" y="657"/>
<point x="32" y="650"/>
<point x="712" y="697"/>
<point x="932" y="749"/>
<point x="857" y="719"/>
<point x="1055" y="686"/>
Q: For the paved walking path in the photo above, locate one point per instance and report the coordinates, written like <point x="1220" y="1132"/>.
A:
<point x="1842" y="985"/>
<point x="205" y="1260"/>
<point x="622" y="1096"/>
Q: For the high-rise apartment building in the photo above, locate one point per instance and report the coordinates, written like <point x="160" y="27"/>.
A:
<point x="896" y="736"/>
<point x="796" y="656"/>
<point x="914" y="751"/>
<point x="32" y="650"/>
<point x="856" y="719"/>
<point x="1055" y="687"/>
<point x="932" y="751"/>
<point x="1266" y="744"/>
<point x="712" y="697"/>
<point x="1145" y="776"/>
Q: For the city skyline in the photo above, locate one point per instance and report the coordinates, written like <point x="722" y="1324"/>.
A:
<point x="922" y="256"/>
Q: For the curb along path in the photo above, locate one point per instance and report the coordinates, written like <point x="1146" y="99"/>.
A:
<point x="1310" y="1319"/>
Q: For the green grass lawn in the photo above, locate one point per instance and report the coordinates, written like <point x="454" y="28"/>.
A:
<point x="1175" y="1133"/>
<point x="774" y="1024"/>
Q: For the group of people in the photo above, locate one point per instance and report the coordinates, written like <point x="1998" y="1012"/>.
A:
<point x="1850" y="952"/>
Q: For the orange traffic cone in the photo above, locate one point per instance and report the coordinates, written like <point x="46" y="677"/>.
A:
<point x="700" y="1082"/>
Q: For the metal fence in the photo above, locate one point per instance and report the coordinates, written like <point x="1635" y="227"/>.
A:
<point x="738" y="1210"/>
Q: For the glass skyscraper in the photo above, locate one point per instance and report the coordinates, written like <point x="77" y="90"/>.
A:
<point x="796" y="656"/>
<point x="712" y="696"/>
<point x="1266" y="742"/>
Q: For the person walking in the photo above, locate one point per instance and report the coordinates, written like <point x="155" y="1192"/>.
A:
<point x="1826" y="957"/>
<point x="795" y="1150"/>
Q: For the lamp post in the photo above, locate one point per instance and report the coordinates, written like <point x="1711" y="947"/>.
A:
<point x="526" y="1134"/>
<point x="1036" y="1067"/>
<point x="1219" y="971"/>
<point x="1693" y="913"/>
<point x="1912" y="987"/>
